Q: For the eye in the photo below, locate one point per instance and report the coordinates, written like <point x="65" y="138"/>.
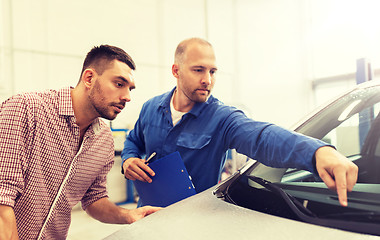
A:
<point x="119" y="84"/>
<point x="212" y="71"/>
<point x="198" y="70"/>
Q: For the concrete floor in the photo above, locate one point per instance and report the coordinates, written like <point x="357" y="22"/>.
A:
<point x="84" y="227"/>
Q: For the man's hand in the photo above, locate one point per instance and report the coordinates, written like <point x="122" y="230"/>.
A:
<point x="336" y="171"/>
<point x="106" y="211"/>
<point x="138" y="213"/>
<point x="136" y="169"/>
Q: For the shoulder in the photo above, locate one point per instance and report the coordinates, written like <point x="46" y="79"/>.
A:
<point x="220" y="107"/>
<point x="159" y="99"/>
<point x="28" y="108"/>
<point x="31" y="100"/>
<point x="104" y="127"/>
<point x="154" y="103"/>
<point x="103" y="132"/>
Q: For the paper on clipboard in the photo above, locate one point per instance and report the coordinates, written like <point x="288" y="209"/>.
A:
<point x="171" y="183"/>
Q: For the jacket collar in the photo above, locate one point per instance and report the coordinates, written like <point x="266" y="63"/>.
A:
<point x="196" y="110"/>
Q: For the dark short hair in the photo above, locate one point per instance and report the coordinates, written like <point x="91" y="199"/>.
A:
<point x="100" y="57"/>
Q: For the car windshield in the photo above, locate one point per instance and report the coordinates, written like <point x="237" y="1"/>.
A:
<point x="352" y="125"/>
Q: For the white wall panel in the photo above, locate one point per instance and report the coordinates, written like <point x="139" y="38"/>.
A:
<point x="30" y="72"/>
<point x="29" y="22"/>
<point x="131" y="25"/>
<point x="221" y="31"/>
<point x="6" y="79"/>
<point x="63" y="71"/>
<point x="34" y="71"/>
<point x="180" y="20"/>
<point x="344" y="31"/>
<point x="271" y="60"/>
<point x="259" y="47"/>
<point x="6" y="83"/>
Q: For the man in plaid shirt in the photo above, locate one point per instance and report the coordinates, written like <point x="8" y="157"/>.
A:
<point x="56" y="151"/>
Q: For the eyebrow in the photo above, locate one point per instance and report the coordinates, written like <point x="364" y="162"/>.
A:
<point x="203" y="67"/>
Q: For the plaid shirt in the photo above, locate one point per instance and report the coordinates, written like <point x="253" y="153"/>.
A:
<point x="44" y="171"/>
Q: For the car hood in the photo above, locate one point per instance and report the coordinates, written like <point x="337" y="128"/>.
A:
<point x="203" y="216"/>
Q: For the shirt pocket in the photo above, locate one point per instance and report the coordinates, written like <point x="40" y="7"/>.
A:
<point x="193" y="141"/>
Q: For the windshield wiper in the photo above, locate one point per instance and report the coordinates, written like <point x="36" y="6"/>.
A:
<point x="367" y="216"/>
<point x="306" y="215"/>
<point x="293" y="203"/>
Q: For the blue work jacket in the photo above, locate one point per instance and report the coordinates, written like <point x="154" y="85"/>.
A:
<point x="203" y="136"/>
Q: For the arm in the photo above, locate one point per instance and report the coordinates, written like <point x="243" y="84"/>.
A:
<point x="106" y="211"/>
<point x="133" y="166"/>
<point x="278" y="147"/>
<point x="336" y="171"/>
<point x="134" y="144"/>
<point x="14" y="139"/>
<point x="8" y="227"/>
<point x="270" y="144"/>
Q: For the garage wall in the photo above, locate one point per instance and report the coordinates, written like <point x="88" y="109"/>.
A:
<point x="342" y="32"/>
<point x="43" y="42"/>
<point x="269" y="52"/>
<point x="273" y="54"/>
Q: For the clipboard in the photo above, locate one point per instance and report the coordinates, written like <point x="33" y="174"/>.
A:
<point x="171" y="183"/>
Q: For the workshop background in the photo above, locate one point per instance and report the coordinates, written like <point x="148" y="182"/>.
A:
<point x="277" y="59"/>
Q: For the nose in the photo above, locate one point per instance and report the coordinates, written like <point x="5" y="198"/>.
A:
<point x="126" y="96"/>
<point x="207" y="78"/>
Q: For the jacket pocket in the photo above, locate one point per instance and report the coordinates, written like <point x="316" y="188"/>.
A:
<point x="193" y="141"/>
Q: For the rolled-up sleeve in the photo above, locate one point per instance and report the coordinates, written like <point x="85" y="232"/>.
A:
<point x="14" y="138"/>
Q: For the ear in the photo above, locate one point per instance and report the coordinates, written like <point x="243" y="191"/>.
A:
<point x="175" y="70"/>
<point x="88" y="77"/>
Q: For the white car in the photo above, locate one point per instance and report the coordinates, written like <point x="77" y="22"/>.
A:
<point x="259" y="202"/>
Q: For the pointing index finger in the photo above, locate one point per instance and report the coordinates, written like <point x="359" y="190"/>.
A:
<point x="341" y="186"/>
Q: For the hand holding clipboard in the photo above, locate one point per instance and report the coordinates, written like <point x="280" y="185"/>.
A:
<point x="170" y="184"/>
<point x="137" y="169"/>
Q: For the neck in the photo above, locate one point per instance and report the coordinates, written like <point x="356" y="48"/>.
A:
<point x="83" y="117"/>
<point x="181" y="102"/>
